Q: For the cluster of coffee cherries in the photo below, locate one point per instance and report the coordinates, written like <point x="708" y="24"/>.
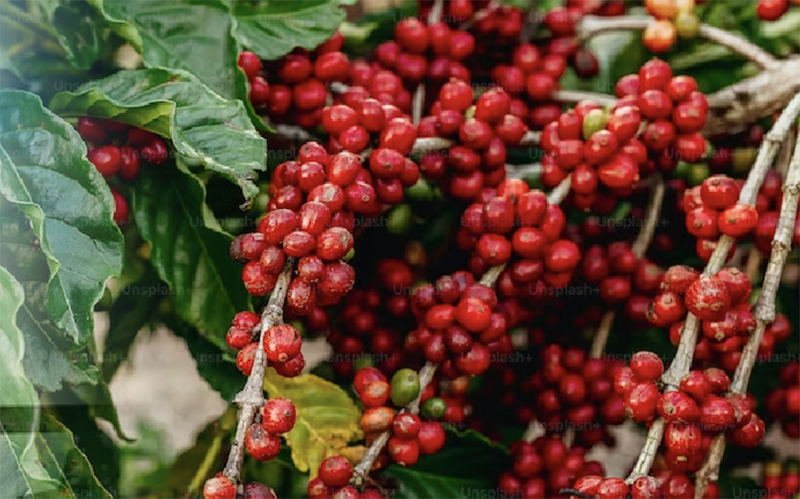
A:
<point x="295" y="86"/>
<point x="363" y="334"/>
<point x="700" y="405"/>
<point x="222" y="487"/>
<point x="713" y="208"/>
<point x="411" y="436"/>
<point x="673" y="19"/>
<point x="426" y="53"/>
<point x="573" y="391"/>
<point x="311" y="217"/>
<point x="333" y="482"/>
<point x="482" y="133"/>
<point x="783" y="403"/>
<point x="772" y="10"/>
<point x="667" y="484"/>
<point x="458" y="321"/>
<point x="262" y="439"/>
<point x="675" y="112"/>
<point x="282" y="345"/>
<point x="544" y="467"/>
<point x="117" y="150"/>
<point x="516" y="225"/>
<point x="619" y="273"/>
<point x="721" y="302"/>
<point x="599" y="150"/>
<point x="781" y="480"/>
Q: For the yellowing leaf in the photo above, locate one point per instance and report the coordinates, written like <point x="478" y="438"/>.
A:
<point x="327" y="418"/>
<point x="354" y="454"/>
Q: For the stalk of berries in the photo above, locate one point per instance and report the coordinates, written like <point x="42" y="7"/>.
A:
<point x="117" y="151"/>
<point x="709" y="297"/>
<point x="259" y="425"/>
<point x="765" y="312"/>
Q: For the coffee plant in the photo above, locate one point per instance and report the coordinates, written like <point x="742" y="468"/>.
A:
<point x="530" y="233"/>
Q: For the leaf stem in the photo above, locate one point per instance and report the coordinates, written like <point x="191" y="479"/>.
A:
<point x="251" y="397"/>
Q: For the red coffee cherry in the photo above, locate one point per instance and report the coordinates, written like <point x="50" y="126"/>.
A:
<point x="250" y="64"/>
<point x="107" y="160"/>
<point x="646" y="366"/>
<point x="261" y="444"/>
<point x="282" y="343"/>
<point x="707" y="298"/>
<point x="696" y="384"/>
<point x="717" y="414"/>
<point x="738" y="220"/>
<point x="278" y="416"/>
<point x="641" y="401"/>
<point x="336" y="471"/>
<point x="219" y="487"/>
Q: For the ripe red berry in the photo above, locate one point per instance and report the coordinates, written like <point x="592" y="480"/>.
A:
<point x="155" y="151"/>
<point x="219" y="487"/>
<point x="258" y="491"/>
<point x="261" y="444"/>
<point x="91" y="130"/>
<point x="278" y="415"/>
<point x="338" y="118"/>
<point x="334" y="243"/>
<point x="250" y="64"/>
<point x="129" y="163"/>
<point x="336" y="471"/>
<point x="406" y="426"/>
<point x="738" y="220"/>
<point x="708" y="299"/>
<point x="678" y="407"/>
<point x="107" y="160"/>
<point x="455" y="95"/>
<point x="121" y="210"/>
<point x="646" y="366"/>
<point x="641" y="401"/>
<point x="716" y="414"/>
<point x="282" y="343"/>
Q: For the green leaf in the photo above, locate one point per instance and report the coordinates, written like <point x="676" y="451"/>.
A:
<point x="188" y="255"/>
<point x="469" y="465"/>
<point x="174" y="104"/>
<point x="273" y="29"/>
<point x="43" y="170"/>
<point x="21" y="471"/>
<point x="78" y="29"/>
<point x="131" y="311"/>
<point x="77" y="470"/>
<point x="327" y="418"/>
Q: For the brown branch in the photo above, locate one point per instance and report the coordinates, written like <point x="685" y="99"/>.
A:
<point x="685" y="354"/>
<point x="251" y="398"/>
<point x="590" y="26"/>
<point x="764" y="313"/>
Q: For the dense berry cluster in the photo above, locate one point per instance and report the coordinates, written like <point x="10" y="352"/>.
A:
<point x="117" y="151"/>
<point x="721" y="302"/>
<point x="575" y="392"/>
<point x="368" y="321"/>
<point x="781" y="480"/>
<point x="458" y="321"/>
<point x="482" y="133"/>
<point x="783" y="403"/>
<point x="620" y="273"/>
<point x="673" y="19"/>
<point x="669" y="485"/>
<point x="516" y="225"/>
<point x="295" y="86"/>
<point x="544" y="467"/>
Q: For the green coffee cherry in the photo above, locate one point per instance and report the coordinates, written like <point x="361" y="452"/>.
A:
<point x="594" y="121"/>
<point x="362" y="362"/>
<point x="400" y="219"/>
<point x="743" y="158"/>
<point x="350" y="254"/>
<point x="697" y="173"/>
<point x="405" y="387"/>
<point x="421" y="191"/>
<point x="687" y="25"/>
<point x="433" y="408"/>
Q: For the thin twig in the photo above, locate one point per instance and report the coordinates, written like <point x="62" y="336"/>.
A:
<point x="590" y="26"/>
<point x="764" y="312"/>
<point x="685" y="354"/>
<point x="251" y="398"/>
<point x="559" y="193"/>
<point x="575" y="96"/>
<point x="418" y="102"/>
<point x="652" y="216"/>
